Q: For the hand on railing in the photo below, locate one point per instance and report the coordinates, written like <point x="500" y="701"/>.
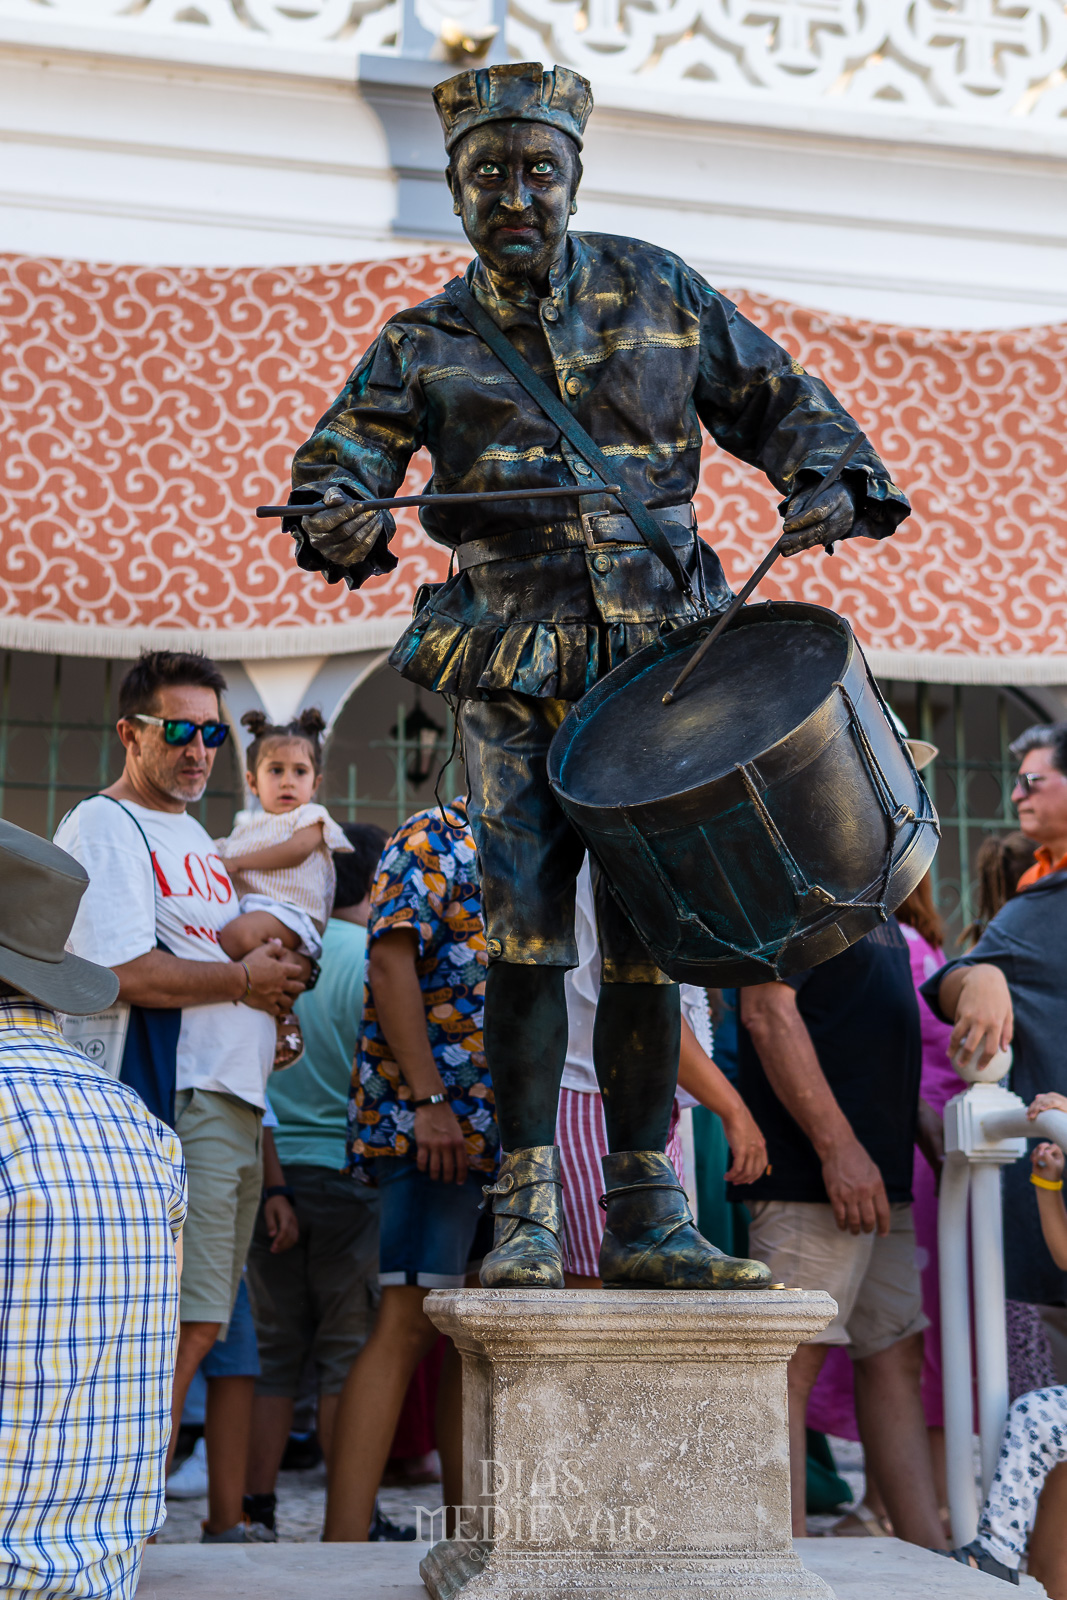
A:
<point x="1045" y="1102"/>
<point x="982" y="1011"/>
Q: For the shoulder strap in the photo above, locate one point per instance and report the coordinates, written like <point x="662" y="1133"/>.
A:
<point x="572" y="430"/>
<point x="114" y="802"/>
<point x="151" y="860"/>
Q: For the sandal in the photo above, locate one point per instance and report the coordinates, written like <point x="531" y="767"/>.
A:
<point x="289" y="1046"/>
<point x="865" y="1523"/>
<point x="977" y="1556"/>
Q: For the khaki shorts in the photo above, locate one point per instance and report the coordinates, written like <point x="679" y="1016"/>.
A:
<point x="875" y="1282"/>
<point x="221" y="1142"/>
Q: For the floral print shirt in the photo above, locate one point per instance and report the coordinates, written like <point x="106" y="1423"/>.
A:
<point x="427" y="880"/>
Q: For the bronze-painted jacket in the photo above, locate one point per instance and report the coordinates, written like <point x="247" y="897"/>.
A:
<point x="643" y="351"/>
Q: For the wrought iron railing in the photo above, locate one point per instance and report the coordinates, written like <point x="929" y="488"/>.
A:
<point x="970" y="779"/>
<point x="58" y="744"/>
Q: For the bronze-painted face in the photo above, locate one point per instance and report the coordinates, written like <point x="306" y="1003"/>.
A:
<point x="513" y="183"/>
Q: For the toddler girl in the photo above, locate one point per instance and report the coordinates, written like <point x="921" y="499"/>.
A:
<point x="281" y="858"/>
<point x="1035" y="1434"/>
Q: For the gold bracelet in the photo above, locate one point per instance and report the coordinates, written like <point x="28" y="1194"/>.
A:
<point x="248" y="981"/>
<point x="1044" y="1183"/>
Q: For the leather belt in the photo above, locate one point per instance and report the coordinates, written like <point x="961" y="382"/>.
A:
<point x="592" y="529"/>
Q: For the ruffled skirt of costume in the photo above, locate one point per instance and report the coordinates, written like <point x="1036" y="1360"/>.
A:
<point x="547" y="627"/>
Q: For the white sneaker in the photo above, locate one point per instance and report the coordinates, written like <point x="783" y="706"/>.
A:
<point x="190" y="1480"/>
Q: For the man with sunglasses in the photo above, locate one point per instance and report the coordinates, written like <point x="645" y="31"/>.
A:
<point x="158" y="896"/>
<point x="1011" y="989"/>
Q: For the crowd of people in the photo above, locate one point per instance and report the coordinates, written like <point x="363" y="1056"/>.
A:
<point x="250" y="1125"/>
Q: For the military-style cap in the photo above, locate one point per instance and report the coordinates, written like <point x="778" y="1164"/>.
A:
<point x="518" y="91"/>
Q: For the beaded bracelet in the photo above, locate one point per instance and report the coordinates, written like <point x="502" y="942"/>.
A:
<point x="1045" y="1183"/>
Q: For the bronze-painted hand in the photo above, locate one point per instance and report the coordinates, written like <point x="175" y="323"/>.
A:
<point x="344" y="534"/>
<point x="815" y="515"/>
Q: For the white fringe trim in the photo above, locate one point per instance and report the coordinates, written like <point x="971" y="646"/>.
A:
<point x="933" y="666"/>
<point x="251" y="644"/>
<point x="381" y="633"/>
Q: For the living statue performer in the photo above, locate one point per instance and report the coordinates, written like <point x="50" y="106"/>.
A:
<point x="544" y="601"/>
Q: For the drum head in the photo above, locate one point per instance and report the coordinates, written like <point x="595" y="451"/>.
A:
<point x="756" y="685"/>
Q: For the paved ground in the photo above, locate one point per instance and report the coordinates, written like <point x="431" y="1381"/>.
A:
<point x="302" y="1498"/>
<point x="301" y="1501"/>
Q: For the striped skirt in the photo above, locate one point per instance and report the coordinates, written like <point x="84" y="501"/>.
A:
<point x="582" y="1138"/>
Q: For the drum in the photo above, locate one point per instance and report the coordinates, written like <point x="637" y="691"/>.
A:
<point x="766" y="819"/>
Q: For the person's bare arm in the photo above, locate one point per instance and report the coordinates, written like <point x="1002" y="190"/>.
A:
<point x="440" y="1147"/>
<point x="977" y="1000"/>
<point x="269" y="979"/>
<point x="276" y="857"/>
<point x="699" y="1076"/>
<point x="930" y="1137"/>
<point x="278" y="1212"/>
<point x="853" y="1182"/>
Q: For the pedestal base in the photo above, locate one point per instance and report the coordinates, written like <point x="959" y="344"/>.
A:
<point x="445" y="1572"/>
<point x="624" y="1444"/>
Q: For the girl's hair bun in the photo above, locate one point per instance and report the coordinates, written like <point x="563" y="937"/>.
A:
<point x="311" y="722"/>
<point x="257" y="723"/>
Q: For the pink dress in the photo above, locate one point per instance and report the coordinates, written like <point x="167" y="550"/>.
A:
<point x="831" y="1409"/>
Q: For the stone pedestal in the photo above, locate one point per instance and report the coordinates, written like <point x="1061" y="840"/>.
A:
<point x="622" y="1444"/>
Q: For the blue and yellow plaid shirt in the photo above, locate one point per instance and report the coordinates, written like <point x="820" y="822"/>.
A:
<point x="92" y="1199"/>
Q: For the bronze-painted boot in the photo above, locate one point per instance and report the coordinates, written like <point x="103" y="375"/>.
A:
<point x="649" y="1238"/>
<point x="527" y="1204"/>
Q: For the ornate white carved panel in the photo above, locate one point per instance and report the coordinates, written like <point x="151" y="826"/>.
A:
<point x="989" y="51"/>
<point x="985" y="59"/>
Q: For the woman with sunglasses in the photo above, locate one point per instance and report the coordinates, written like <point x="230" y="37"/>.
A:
<point x="1010" y="990"/>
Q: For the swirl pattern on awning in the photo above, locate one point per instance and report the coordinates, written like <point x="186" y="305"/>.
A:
<point x="145" y="410"/>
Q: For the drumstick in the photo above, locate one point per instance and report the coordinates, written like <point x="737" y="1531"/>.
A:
<point x="441" y="499"/>
<point x="757" y="577"/>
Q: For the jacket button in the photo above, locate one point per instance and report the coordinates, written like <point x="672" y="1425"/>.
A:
<point x="550" y="312"/>
<point x="583" y="469"/>
<point x="494" y="948"/>
<point x="573" y="386"/>
<point x="602" y="563"/>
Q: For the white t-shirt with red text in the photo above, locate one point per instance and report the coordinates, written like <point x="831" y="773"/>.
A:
<point x="180" y="896"/>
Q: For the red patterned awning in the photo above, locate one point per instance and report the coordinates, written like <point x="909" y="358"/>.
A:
<point x="145" y="410"/>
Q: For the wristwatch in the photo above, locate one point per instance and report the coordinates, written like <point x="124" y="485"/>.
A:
<point x="430" y="1100"/>
<point x="279" y="1188"/>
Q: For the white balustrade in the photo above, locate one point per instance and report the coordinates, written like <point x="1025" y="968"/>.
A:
<point x="986" y="1128"/>
<point x="984" y="59"/>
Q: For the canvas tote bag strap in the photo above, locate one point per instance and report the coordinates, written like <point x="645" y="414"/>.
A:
<point x="572" y="430"/>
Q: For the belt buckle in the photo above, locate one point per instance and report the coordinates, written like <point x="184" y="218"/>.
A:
<point x="587" y="520"/>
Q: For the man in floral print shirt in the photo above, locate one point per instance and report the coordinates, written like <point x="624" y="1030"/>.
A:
<point x="421" y="1128"/>
<point x="426" y="916"/>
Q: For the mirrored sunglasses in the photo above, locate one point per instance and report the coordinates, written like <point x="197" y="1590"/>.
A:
<point x="180" y="731"/>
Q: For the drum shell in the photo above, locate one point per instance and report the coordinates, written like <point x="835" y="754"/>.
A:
<point x="776" y="866"/>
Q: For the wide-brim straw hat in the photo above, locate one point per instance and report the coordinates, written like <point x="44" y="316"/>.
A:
<point x="40" y="889"/>
<point x="921" y="750"/>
